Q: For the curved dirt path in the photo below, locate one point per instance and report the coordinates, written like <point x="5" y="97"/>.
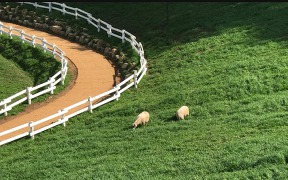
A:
<point x="95" y="76"/>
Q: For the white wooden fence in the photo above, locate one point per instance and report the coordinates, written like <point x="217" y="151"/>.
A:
<point x="26" y="94"/>
<point x="30" y="129"/>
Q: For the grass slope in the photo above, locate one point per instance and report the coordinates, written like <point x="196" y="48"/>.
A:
<point x="12" y="80"/>
<point x="11" y="83"/>
<point x="226" y="61"/>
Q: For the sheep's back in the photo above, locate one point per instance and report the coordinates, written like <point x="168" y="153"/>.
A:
<point x="183" y="110"/>
<point x="144" y="116"/>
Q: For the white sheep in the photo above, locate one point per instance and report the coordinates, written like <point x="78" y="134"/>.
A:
<point x="142" y="118"/>
<point x="182" y="112"/>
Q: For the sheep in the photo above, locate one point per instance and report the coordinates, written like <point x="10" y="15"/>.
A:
<point x="142" y="118"/>
<point x="182" y="112"/>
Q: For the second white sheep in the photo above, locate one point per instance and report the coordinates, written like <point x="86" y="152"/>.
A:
<point x="182" y="112"/>
<point x="142" y="118"/>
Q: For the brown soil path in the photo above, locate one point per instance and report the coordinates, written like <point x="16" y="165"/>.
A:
<point x="95" y="76"/>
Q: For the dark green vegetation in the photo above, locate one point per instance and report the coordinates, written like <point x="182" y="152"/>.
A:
<point x="226" y="61"/>
<point x="38" y="67"/>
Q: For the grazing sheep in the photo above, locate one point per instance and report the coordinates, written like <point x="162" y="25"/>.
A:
<point x="142" y="118"/>
<point x="182" y="112"/>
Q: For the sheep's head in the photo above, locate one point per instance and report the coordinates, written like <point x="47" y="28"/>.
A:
<point x="180" y="116"/>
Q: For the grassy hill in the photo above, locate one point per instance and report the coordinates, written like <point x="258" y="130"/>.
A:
<point x="226" y="61"/>
<point x="11" y="83"/>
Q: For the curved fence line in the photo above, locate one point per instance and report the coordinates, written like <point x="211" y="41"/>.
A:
<point x="32" y="128"/>
<point x="26" y="94"/>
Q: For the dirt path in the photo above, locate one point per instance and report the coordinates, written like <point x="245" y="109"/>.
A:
<point x="95" y="76"/>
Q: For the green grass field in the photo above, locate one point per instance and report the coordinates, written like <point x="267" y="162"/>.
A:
<point x="12" y="80"/>
<point x="11" y="83"/>
<point x="226" y="61"/>
<point x="31" y="67"/>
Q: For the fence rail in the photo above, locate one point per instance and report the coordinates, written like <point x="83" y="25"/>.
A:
<point x="56" y="51"/>
<point x="91" y="102"/>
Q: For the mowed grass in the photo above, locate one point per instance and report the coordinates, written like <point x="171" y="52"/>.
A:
<point x="228" y="63"/>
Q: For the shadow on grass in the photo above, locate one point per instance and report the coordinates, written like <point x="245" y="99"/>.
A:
<point x="127" y="128"/>
<point x="171" y="119"/>
<point x="163" y="25"/>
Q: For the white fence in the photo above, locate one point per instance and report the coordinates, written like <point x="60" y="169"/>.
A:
<point x="33" y="128"/>
<point x="26" y="94"/>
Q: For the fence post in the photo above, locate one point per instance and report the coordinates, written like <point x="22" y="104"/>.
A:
<point x="141" y="49"/>
<point x="90" y="104"/>
<point x="35" y="5"/>
<point x="28" y="90"/>
<point x="62" y="69"/>
<point x="99" y="24"/>
<point x="142" y="60"/>
<point x="117" y="92"/>
<point x="109" y="30"/>
<point x="133" y="39"/>
<point x="123" y="36"/>
<point x="76" y="13"/>
<point x="44" y="46"/>
<point x="51" y="85"/>
<point x="62" y="76"/>
<point x="63" y="6"/>
<point x="89" y="18"/>
<point x="10" y="32"/>
<point x="31" y="129"/>
<point x="54" y="50"/>
<point x="63" y="116"/>
<point x="50" y="6"/>
<point x="22" y="36"/>
<point x="135" y="78"/>
<point x="33" y="40"/>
